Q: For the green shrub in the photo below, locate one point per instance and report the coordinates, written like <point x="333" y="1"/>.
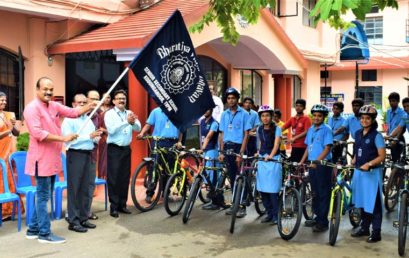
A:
<point x="23" y="141"/>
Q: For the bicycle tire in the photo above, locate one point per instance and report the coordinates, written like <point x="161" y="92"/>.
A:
<point x="236" y="204"/>
<point x="392" y="190"/>
<point x="258" y="203"/>
<point x="136" y="178"/>
<point x="335" y="218"/>
<point x="175" y="193"/>
<point x="191" y="200"/>
<point x="355" y="217"/>
<point x="306" y="198"/>
<point x="403" y="223"/>
<point x="295" y="209"/>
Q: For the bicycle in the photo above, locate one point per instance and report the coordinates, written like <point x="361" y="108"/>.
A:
<point x="403" y="200"/>
<point x="245" y="182"/>
<point x="341" y="200"/>
<point x="395" y="180"/>
<point x="290" y="205"/>
<point x="148" y="178"/>
<point x="202" y="176"/>
<point x="345" y="154"/>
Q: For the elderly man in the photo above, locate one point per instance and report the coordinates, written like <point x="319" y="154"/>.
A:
<point x="79" y="167"/>
<point x="42" y="118"/>
<point x="120" y="123"/>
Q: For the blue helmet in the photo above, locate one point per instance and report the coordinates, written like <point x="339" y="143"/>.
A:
<point x="232" y="91"/>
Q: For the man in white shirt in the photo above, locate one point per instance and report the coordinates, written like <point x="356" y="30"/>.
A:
<point x="219" y="108"/>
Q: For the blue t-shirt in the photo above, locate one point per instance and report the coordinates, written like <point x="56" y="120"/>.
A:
<point x="352" y="124"/>
<point x="254" y="119"/>
<point x="393" y="118"/>
<point x="335" y="123"/>
<point x="317" y="139"/>
<point x="234" y="125"/>
<point x="205" y="128"/>
<point x="163" y="127"/>
<point x="405" y="122"/>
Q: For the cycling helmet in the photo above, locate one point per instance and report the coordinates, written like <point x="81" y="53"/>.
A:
<point x="368" y="110"/>
<point x="265" y="108"/>
<point x="319" y="108"/>
<point x="232" y="91"/>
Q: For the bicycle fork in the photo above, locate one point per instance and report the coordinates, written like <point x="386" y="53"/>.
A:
<point x="331" y="204"/>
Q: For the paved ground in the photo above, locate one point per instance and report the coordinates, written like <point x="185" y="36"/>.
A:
<point x="155" y="234"/>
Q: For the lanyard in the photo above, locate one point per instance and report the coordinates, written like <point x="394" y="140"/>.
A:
<point x="122" y="120"/>
<point x="231" y="120"/>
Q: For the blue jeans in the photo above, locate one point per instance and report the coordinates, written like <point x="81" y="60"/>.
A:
<point x="40" y="221"/>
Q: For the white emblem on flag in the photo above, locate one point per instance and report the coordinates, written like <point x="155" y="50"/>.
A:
<point x="178" y="74"/>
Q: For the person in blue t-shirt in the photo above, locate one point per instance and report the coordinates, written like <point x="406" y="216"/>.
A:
<point x="352" y="123"/>
<point x="404" y="123"/>
<point x="169" y="136"/>
<point x="319" y="141"/>
<point x="335" y="122"/>
<point x="248" y="104"/>
<point x="367" y="180"/>
<point x="234" y="130"/>
<point x="394" y="116"/>
<point x="269" y="174"/>
<point x="209" y="135"/>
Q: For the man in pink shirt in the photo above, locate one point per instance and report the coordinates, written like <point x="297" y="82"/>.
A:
<point x="42" y="117"/>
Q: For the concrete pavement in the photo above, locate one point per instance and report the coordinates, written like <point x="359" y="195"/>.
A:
<point x="155" y="234"/>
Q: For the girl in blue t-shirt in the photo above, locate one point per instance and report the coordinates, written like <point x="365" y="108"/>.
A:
<point x="369" y="149"/>
<point x="269" y="174"/>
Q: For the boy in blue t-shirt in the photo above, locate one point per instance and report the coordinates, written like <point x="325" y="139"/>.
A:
<point x="319" y="141"/>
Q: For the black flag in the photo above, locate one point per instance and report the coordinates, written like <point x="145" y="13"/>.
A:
<point x="168" y="68"/>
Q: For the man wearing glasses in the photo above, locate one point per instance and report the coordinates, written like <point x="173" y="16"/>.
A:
<point x="120" y="123"/>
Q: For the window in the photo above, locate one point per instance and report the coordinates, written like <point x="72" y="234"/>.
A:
<point x="374" y="9"/>
<point x="324" y="91"/>
<point x="251" y="84"/>
<point x="296" y="88"/>
<point x="308" y="5"/>
<point x="369" y="75"/>
<point x="9" y="80"/>
<point x="214" y="71"/>
<point x="87" y="71"/>
<point x="374" y="29"/>
<point x="371" y="95"/>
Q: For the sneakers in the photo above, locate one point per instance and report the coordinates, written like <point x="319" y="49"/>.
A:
<point x="241" y="213"/>
<point x="374" y="237"/>
<point x="266" y="220"/>
<point x="51" y="239"/>
<point x="31" y="235"/>
<point x="211" y="207"/>
<point x="360" y="232"/>
<point x="310" y="223"/>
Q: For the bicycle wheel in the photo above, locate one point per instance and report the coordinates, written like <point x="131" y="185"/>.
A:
<point x="194" y="164"/>
<point x="392" y="189"/>
<point x="306" y="198"/>
<point x="238" y="188"/>
<point x="335" y="218"/>
<point x="289" y="213"/>
<point x="403" y="223"/>
<point x="175" y="193"/>
<point x="258" y="203"/>
<point x="192" y="198"/>
<point x="355" y="217"/>
<point x="146" y="186"/>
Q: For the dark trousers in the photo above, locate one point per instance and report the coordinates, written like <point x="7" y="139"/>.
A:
<point x="251" y="146"/>
<point x="78" y="167"/>
<point x="397" y="149"/>
<point x="270" y="202"/>
<point x="91" y="184"/>
<point x="337" y="154"/>
<point x="375" y="218"/>
<point x="296" y="154"/>
<point x="321" y="192"/>
<point x="119" y="170"/>
<point x="231" y="161"/>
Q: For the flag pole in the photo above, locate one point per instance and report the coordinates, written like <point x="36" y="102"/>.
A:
<point x="99" y="104"/>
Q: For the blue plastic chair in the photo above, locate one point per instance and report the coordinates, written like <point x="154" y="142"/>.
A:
<point x="100" y="181"/>
<point x="22" y="181"/>
<point x="59" y="187"/>
<point x="7" y="196"/>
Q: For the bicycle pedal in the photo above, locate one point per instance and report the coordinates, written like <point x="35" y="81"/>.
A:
<point x="395" y="224"/>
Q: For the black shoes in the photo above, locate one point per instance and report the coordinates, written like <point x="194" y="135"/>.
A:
<point x="124" y="210"/>
<point x="93" y="216"/>
<point x="114" y="213"/>
<point x="360" y="232"/>
<point x="87" y="224"/>
<point x="266" y="220"/>
<point x="211" y="207"/>
<point x="77" y="228"/>
<point x="310" y="223"/>
<point x="374" y="237"/>
<point x="241" y="213"/>
<point x="318" y="228"/>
